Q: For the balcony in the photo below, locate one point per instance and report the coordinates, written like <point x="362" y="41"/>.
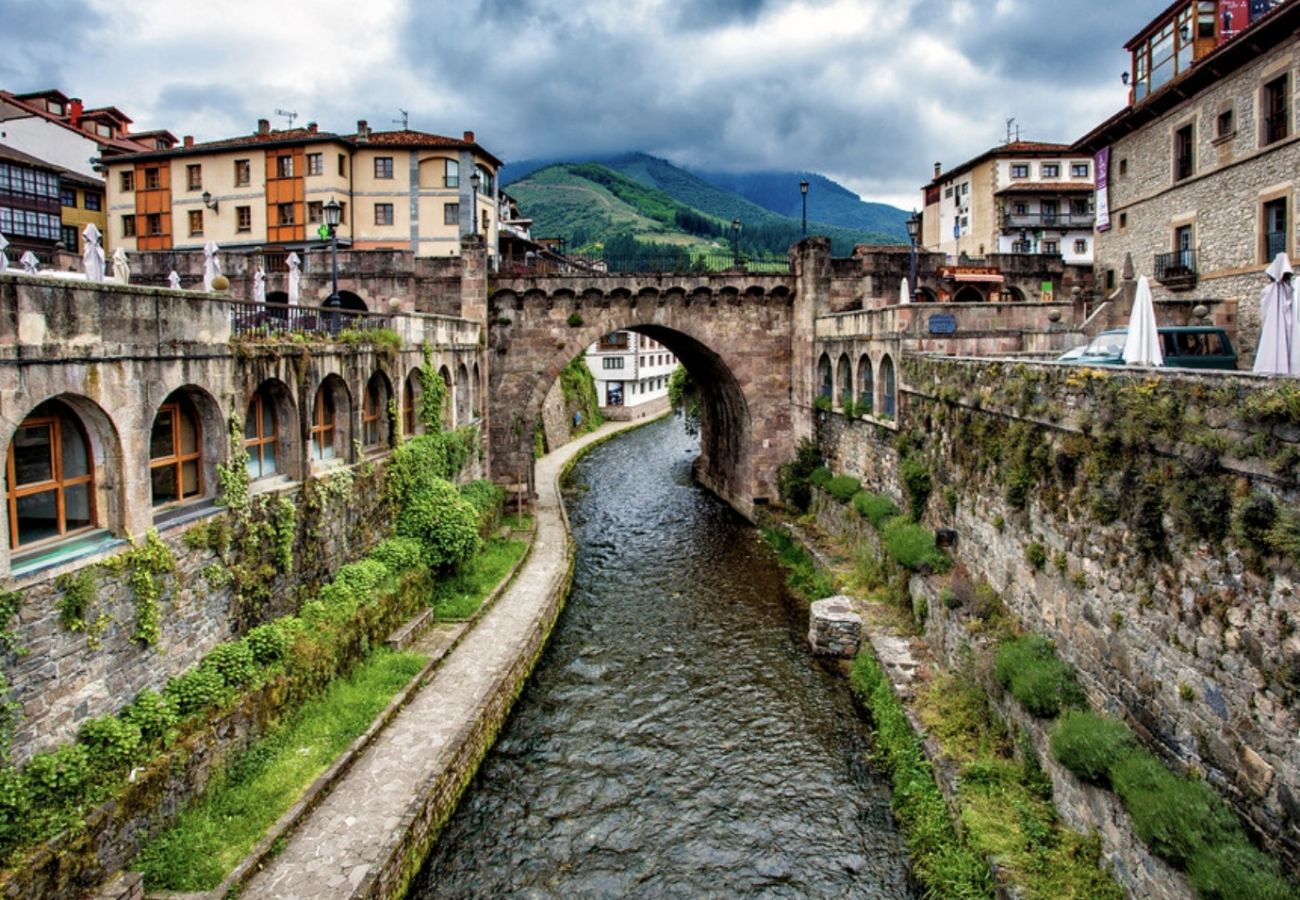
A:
<point x="1064" y="221"/>
<point x="1177" y="270"/>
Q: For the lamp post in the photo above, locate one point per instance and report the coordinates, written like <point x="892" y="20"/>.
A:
<point x="735" y="242"/>
<point x="474" y="181"/>
<point x="803" y="191"/>
<point x="334" y="215"/>
<point x="913" y="232"/>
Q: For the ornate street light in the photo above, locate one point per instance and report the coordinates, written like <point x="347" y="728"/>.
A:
<point x="803" y="190"/>
<point x="334" y="215"/>
<point x="735" y="242"/>
<point x="913" y="232"/>
<point x="474" y="181"/>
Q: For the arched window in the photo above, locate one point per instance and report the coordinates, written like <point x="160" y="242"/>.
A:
<point x="464" y="396"/>
<point x="262" y="436"/>
<point x="824" y="377"/>
<point x="888" y="402"/>
<point x="375" y="424"/>
<point x="969" y="294"/>
<point x="446" y="416"/>
<point x="322" y="424"/>
<point x="408" y="405"/>
<point x="51" y="476"/>
<point x="176" y="452"/>
<point x="844" y="378"/>
<point x="866" y="386"/>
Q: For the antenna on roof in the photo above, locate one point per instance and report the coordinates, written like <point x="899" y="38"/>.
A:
<point x="288" y="114"/>
<point x="1011" y="123"/>
<point x="405" y="118"/>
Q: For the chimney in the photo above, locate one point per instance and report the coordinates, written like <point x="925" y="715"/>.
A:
<point x="311" y="126"/>
<point x="469" y="137"/>
<point x="188" y="140"/>
<point x="74" y="111"/>
<point x="938" y="169"/>
<point x="363" y="129"/>
<point x="263" y="126"/>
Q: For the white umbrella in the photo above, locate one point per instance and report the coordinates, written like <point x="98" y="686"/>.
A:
<point x="1275" y="354"/>
<point x="92" y="257"/>
<point x="4" y="260"/>
<point x="29" y="263"/>
<point x="294" y="278"/>
<point x="174" y="280"/>
<point x="904" y="295"/>
<point x="121" y="268"/>
<point x="259" y="285"/>
<point x="211" y="266"/>
<point x="1142" y="345"/>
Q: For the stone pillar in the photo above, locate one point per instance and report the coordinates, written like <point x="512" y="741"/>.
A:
<point x="473" y="279"/>
<point x="811" y="261"/>
<point x="834" y="629"/>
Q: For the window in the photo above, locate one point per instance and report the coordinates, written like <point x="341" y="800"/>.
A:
<point x="383" y="214"/>
<point x="487" y="222"/>
<point x="196" y="223"/>
<point x="1183" y="153"/>
<point x="175" y="452"/>
<point x="451" y="173"/>
<point x="1081" y="247"/>
<point x="383" y="167"/>
<point x="153" y="223"/>
<point x="1019" y="209"/>
<point x="152" y="179"/>
<point x="243" y="173"/>
<point x="1123" y="220"/>
<point x="1183" y="247"/>
<point x="343" y="164"/>
<point x="343" y="213"/>
<point x="1051" y="248"/>
<point x="94" y="200"/>
<point x="889" y="402"/>
<point x="284" y="213"/>
<point x="243" y="218"/>
<point x="1224" y="125"/>
<point x="1051" y="209"/>
<point x="284" y="166"/>
<point x="1165" y="54"/>
<point x="315" y="212"/>
<point x="68" y="196"/>
<point x="261" y="437"/>
<point x="193" y="177"/>
<point x="1079" y="170"/>
<point x="1051" y="170"/>
<point x="51" y="482"/>
<point x="1276" y="230"/>
<point x="68" y="237"/>
<point x="1276" y="101"/>
<point x="322" y="424"/>
<point x="451" y="214"/>
<point x="128" y="226"/>
<point x="408" y="407"/>
<point x="127" y="181"/>
<point x="612" y="362"/>
<point x="1079" y="208"/>
<point x="947" y="193"/>
<point x="486" y="183"/>
<point x="370" y="412"/>
<point x="1020" y="170"/>
<point x="315" y="164"/>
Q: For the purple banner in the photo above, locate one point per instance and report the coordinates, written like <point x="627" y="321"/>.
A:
<point x="1102" y="165"/>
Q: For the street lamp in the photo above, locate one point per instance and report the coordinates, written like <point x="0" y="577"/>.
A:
<point x="803" y="190"/>
<point x="334" y="215"/>
<point x="913" y="232"/>
<point x="474" y="181"/>
<point x="735" y="242"/>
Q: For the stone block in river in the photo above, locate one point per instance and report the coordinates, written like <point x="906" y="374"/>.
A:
<point x="834" y="629"/>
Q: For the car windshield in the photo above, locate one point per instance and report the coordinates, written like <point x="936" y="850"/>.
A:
<point x="1107" y="345"/>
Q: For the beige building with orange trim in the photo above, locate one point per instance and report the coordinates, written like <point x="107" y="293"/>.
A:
<point x="404" y="190"/>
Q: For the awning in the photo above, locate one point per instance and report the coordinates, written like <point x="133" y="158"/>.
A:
<point x="987" y="277"/>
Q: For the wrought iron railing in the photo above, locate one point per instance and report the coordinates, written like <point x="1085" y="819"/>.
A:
<point x="682" y="263"/>
<point x="1048" y="220"/>
<point x="248" y="318"/>
<point x="1179" y="265"/>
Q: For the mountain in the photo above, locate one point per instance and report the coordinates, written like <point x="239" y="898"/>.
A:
<point x="653" y="199"/>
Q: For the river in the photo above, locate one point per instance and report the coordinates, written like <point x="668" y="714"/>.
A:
<point x="676" y="739"/>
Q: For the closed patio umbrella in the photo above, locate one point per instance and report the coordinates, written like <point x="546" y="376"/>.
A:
<point x="904" y="296"/>
<point x="121" y="268"/>
<point x="92" y="257"/>
<point x="1277" y="353"/>
<point x="294" y="278"/>
<point x="4" y="260"/>
<point x="1142" y="345"/>
<point x="259" y="285"/>
<point x="30" y="263"/>
<point x="211" y="266"/>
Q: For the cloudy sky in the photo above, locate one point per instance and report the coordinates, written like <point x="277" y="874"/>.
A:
<point x="868" y="92"/>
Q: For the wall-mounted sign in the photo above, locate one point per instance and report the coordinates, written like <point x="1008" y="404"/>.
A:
<point x="1047" y="292"/>
<point x="943" y="323"/>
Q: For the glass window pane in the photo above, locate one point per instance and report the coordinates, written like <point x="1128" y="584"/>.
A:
<point x="163" y="480"/>
<point x="76" y="506"/>
<point x="38" y="517"/>
<point x="254" y="463"/>
<point x="32" y="448"/>
<point x="160" y="441"/>
<point x="189" y="432"/>
<point x="250" y="421"/>
<point x="190" y="478"/>
<point x="268" y="418"/>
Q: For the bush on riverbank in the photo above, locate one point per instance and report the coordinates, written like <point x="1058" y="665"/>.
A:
<point x="803" y="578"/>
<point x="1039" y="680"/>
<point x="843" y="487"/>
<point x="912" y="546"/>
<point x="793" y="479"/>
<point x="875" y="508"/>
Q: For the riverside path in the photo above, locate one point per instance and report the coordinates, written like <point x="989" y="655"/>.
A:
<point x="354" y="842"/>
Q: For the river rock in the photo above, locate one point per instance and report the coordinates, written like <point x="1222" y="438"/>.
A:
<point x="834" y="629"/>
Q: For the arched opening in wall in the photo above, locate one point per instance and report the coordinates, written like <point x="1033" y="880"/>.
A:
<point x="54" y="469"/>
<point x="411" y="396"/>
<point x="844" y="380"/>
<point x="968" y="294"/>
<point x="1012" y="294"/>
<point x="185" y="442"/>
<point x="464" y="396"/>
<point x="447" y="414"/>
<point x="478" y="393"/>
<point x="277" y="304"/>
<point x="866" y="386"/>
<point x="825" y="387"/>
<point x="927" y="295"/>
<point x="331" y="413"/>
<point x="270" y="433"/>
<point x="376" y="430"/>
<point x="351" y="301"/>
<point x="888" y="393"/>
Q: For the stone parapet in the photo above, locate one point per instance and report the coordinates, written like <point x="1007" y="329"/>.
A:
<point x="834" y="629"/>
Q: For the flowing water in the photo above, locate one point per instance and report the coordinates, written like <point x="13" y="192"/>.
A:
<point x="676" y="740"/>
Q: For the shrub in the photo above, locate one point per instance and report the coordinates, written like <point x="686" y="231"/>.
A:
<point x="792" y="478"/>
<point x="1234" y="870"/>
<point x="153" y="714"/>
<point x="269" y="643"/>
<point x="820" y="477"/>
<point x="843" y="487"/>
<point x="1175" y="817"/>
<point x="113" y="744"/>
<point x="234" y="662"/>
<point x="354" y="585"/>
<point x="875" y="508"/>
<point x="1089" y="745"/>
<point x="1039" y="680"/>
<point x="399" y="554"/>
<point x="442" y="521"/>
<point x="912" y="546"/>
<point x="195" y="691"/>
<point x="487" y="498"/>
<point x="917" y="482"/>
<point x="57" y="777"/>
<point x="15" y="808"/>
<point x="1036" y="555"/>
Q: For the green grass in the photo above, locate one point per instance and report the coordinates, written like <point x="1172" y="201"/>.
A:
<point x="875" y="508"/>
<point x="214" y="834"/>
<point x="802" y="577"/>
<point x="457" y="597"/>
<point x="912" y="546"/>
<point x="1040" y="680"/>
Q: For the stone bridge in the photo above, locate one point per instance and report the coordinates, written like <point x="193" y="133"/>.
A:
<point x="744" y="338"/>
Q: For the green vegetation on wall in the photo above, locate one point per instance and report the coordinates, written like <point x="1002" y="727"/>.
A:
<point x="580" y="401"/>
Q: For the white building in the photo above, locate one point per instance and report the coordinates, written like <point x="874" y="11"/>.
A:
<point x="631" y="372"/>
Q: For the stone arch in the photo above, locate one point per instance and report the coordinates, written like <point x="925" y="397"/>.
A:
<point x="352" y="301"/>
<point x="478" y="392"/>
<point x="843" y="380"/>
<point x="968" y="293"/>
<point x="927" y="295"/>
<point x="330" y="419"/>
<point x="825" y="385"/>
<point x="271" y="432"/>
<point x="464" y="394"/>
<point x="866" y="385"/>
<point x="412" y="397"/>
<point x="447" y="414"/>
<point x="1012" y="294"/>
<point x="376" y="424"/>
<point x="170" y="436"/>
<point x="888" y="388"/>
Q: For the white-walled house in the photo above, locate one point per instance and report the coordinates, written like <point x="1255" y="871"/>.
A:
<point x="631" y="373"/>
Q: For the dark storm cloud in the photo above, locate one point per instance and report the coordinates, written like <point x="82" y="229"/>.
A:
<point x="36" y="37"/>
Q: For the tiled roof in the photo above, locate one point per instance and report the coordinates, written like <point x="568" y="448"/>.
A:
<point x="18" y="156"/>
<point x="117" y="143"/>
<point x="1015" y="148"/>
<point x="1047" y="187"/>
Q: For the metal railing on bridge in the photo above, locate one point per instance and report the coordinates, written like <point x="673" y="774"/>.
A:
<point x="683" y="263"/>
<point x="251" y="318"/>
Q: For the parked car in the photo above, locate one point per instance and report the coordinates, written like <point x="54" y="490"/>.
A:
<point x="1183" y="346"/>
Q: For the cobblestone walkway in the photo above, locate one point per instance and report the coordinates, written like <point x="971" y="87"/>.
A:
<point x="356" y="827"/>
